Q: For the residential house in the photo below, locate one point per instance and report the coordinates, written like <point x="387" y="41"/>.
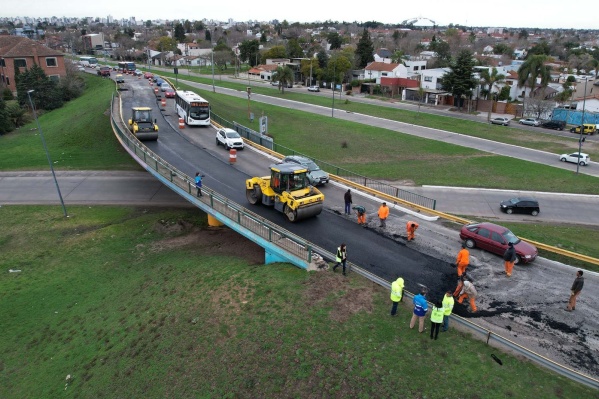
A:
<point x="23" y="53"/>
<point x="430" y="82"/>
<point x="377" y="70"/>
<point x="383" y="55"/>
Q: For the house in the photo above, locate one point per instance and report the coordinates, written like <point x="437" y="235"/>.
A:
<point x="377" y="70"/>
<point x="23" y="53"/>
<point x="383" y="55"/>
<point x="433" y="92"/>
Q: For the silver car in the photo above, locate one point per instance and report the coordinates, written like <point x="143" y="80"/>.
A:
<point x="316" y="176"/>
<point x="530" y="122"/>
<point x="500" y="121"/>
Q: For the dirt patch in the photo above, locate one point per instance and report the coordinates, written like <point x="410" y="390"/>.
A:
<point x="348" y="300"/>
<point x="208" y="241"/>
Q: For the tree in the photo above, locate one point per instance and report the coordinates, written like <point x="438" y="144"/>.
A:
<point x="334" y="40"/>
<point x="249" y="50"/>
<point x="274" y="53"/>
<point x="294" y="50"/>
<point x="533" y="68"/>
<point x="46" y="95"/>
<point x="491" y="79"/>
<point x="397" y="56"/>
<point x="148" y="23"/>
<point x="365" y="50"/>
<point x="198" y="26"/>
<point x="284" y="75"/>
<point x="208" y="36"/>
<point x="323" y="58"/>
<point x="337" y="66"/>
<point x="180" y="33"/>
<point x="443" y="53"/>
<point x="502" y="48"/>
<point x="263" y="38"/>
<point x="459" y="81"/>
<point x="5" y="122"/>
<point x="419" y="95"/>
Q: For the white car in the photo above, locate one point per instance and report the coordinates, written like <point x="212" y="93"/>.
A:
<point x="229" y="138"/>
<point x="576" y="157"/>
<point x="500" y="121"/>
<point x="313" y="88"/>
<point x="530" y="122"/>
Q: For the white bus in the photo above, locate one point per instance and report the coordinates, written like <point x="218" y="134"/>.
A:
<point x="88" y="61"/>
<point x="192" y="108"/>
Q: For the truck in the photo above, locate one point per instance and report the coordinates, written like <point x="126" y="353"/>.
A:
<point x="103" y="71"/>
<point x="142" y="125"/>
<point x="288" y="190"/>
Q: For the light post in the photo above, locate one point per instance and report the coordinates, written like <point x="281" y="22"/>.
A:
<point x="212" y="52"/>
<point x="333" y="107"/>
<point x="47" y="153"/>
<point x="584" y="98"/>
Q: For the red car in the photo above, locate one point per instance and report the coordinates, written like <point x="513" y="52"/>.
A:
<point x="148" y="75"/>
<point x="169" y="93"/>
<point x="494" y="238"/>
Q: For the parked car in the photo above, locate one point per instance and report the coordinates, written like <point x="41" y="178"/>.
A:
<point x="313" y="88"/>
<point x="588" y="128"/>
<point x="495" y="238"/>
<point x="500" y="121"/>
<point x="169" y="93"/>
<point x="557" y="125"/>
<point x="229" y="138"/>
<point x="316" y="176"/>
<point x="148" y="75"/>
<point x="521" y="205"/>
<point x="530" y="122"/>
<point x="119" y="78"/>
<point x="576" y="157"/>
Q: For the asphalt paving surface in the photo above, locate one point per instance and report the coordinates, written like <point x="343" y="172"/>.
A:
<point x="527" y="308"/>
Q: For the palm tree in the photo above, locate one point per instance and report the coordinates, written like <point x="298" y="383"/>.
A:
<point x="534" y="67"/>
<point x="285" y="76"/>
<point x="490" y="79"/>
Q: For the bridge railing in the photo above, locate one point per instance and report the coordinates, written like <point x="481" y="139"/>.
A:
<point x="250" y="221"/>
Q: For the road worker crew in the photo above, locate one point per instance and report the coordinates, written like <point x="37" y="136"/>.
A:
<point x="383" y="214"/>
<point x="361" y="211"/>
<point x="448" y="303"/>
<point x="468" y="292"/>
<point x="411" y="229"/>
<point x="396" y="294"/>
<point x="436" y="319"/>
<point x="463" y="260"/>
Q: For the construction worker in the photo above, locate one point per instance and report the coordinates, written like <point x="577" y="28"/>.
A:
<point x="341" y="258"/>
<point x="411" y="229"/>
<point x="396" y="294"/>
<point x="575" y="291"/>
<point x="383" y="214"/>
<point x="458" y="289"/>
<point x="348" y="201"/>
<point x="447" y="308"/>
<point x="436" y="318"/>
<point x="361" y="212"/>
<point x="198" y="181"/>
<point x="463" y="260"/>
<point x="420" y="309"/>
<point x="468" y="292"/>
<point x="509" y="258"/>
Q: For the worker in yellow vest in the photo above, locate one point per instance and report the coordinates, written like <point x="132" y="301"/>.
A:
<point x="436" y="318"/>
<point x="396" y="294"/>
<point x="448" y="302"/>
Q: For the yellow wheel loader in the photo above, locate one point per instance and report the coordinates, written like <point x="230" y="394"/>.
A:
<point x="288" y="190"/>
<point x="142" y="125"/>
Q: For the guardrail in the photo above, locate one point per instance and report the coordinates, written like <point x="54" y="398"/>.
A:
<point x="250" y="221"/>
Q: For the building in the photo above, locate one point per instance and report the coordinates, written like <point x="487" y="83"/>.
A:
<point x="93" y="42"/>
<point x="23" y="53"/>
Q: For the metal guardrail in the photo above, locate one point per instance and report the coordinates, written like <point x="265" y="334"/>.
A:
<point x="254" y="223"/>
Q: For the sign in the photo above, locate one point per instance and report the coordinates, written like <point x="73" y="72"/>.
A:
<point x="263" y="124"/>
<point x="176" y="70"/>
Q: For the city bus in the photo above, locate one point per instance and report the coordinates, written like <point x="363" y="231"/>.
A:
<point x="88" y="61"/>
<point x="126" y="66"/>
<point x="194" y="110"/>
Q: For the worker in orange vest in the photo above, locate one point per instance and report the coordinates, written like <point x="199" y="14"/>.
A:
<point x="383" y="214"/>
<point x="463" y="260"/>
<point x="411" y="229"/>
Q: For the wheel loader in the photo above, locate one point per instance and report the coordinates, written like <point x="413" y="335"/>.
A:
<point x="288" y="190"/>
<point x="141" y="124"/>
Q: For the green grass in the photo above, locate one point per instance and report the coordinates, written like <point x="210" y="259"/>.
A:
<point x="143" y="303"/>
<point x="78" y="136"/>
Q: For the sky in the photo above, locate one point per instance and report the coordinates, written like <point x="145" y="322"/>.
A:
<point x="507" y="13"/>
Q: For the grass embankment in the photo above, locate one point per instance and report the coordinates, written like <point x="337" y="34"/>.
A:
<point x="78" y="136"/>
<point x="146" y="303"/>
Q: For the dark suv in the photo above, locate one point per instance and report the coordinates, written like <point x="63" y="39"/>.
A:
<point x="521" y="205"/>
<point x="557" y="125"/>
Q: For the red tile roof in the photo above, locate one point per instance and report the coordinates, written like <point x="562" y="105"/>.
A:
<point x="14" y="46"/>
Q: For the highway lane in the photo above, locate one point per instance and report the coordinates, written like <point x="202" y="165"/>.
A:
<point x="535" y="292"/>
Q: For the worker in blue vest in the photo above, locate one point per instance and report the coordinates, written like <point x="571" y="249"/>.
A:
<point x="396" y="294"/>
<point x="420" y="309"/>
<point x="198" y="181"/>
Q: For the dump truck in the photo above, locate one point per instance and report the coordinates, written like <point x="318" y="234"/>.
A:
<point x="142" y="125"/>
<point x="288" y="190"/>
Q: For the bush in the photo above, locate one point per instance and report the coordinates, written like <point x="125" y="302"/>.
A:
<point x="356" y="83"/>
<point x="7" y="94"/>
<point x="18" y="116"/>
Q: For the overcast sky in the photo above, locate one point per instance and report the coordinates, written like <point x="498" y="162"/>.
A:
<point x="582" y="14"/>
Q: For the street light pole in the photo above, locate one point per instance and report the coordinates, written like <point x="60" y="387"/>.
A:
<point x="584" y="98"/>
<point x="212" y="52"/>
<point x="64" y="209"/>
<point x="333" y="107"/>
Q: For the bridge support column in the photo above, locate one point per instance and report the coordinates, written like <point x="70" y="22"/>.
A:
<point x="271" y="257"/>
<point x="213" y="222"/>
